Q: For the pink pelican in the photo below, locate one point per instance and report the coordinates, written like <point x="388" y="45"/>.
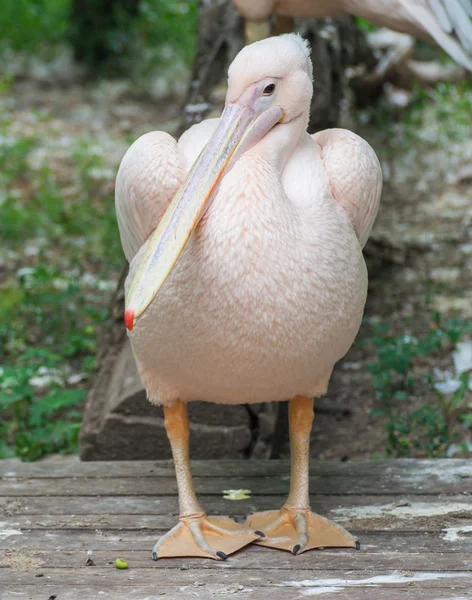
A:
<point x="446" y="22"/>
<point x="247" y="280"/>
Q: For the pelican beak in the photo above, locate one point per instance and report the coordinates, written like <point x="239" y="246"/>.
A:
<point x="239" y="129"/>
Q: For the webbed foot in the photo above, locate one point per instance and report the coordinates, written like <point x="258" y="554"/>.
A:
<point x="208" y="537"/>
<point x="298" y="530"/>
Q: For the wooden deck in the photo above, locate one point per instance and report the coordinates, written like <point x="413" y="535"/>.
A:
<point x="63" y="523"/>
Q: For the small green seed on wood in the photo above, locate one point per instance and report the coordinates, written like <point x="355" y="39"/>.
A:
<point x="120" y="563"/>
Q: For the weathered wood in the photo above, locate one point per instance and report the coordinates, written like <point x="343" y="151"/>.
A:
<point x="57" y="515"/>
<point x="378" y="542"/>
<point x="266" y="479"/>
<point x="252" y="559"/>
<point x="268" y="486"/>
<point x="448" y="590"/>
<point x="224" y="575"/>
<point x="70" y="466"/>
<point x="127" y="508"/>
<point x="126" y="517"/>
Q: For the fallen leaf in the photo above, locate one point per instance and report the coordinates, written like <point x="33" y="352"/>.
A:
<point x="236" y="494"/>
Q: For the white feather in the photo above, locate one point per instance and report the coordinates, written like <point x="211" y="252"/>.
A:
<point x="467" y="4"/>
<point x="441" y="15"/>
<point x="461" y="22"/>
<point x="427" y="20"/>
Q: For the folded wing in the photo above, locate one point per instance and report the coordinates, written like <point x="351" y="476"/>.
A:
<point x="354" y="174"/>
<point x="149" y="176"/>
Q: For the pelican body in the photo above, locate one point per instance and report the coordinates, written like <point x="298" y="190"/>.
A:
<point x="445" y="22"/>
<point x="247" y="281"/>
<point x="246" y="314"/>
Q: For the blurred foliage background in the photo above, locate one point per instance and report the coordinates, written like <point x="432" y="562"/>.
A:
<point x="107" y="35"/>
<point x="80" y="80"/>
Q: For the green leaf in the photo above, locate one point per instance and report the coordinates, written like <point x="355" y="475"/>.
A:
<point x="53" y="402"/>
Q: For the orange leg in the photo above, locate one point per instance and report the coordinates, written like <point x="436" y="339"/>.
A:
<point x="259" y="30"/>
<point x="256" y="30"/>
<point x="294" y="527"/>
<point x="195" y="534"/>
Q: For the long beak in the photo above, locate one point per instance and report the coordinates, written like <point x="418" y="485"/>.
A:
<point x="239" y="129"/>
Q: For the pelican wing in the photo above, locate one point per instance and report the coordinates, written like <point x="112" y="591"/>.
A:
<point x="354" y="174"/>
<point x="448" y="23"/>
<point x="458" y="13"/>
<point x="148" y="178"/>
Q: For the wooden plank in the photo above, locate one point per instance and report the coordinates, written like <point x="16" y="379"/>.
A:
<point x="285" y="578"/>
<point x="414" y="531"/>
<point x="167" y="486"/>
<point x="373" y="542"/>
<point x="407" y="591"/>
<point x="148" y="505"/>
<point x="386" y="512"/>
<point x="248" y="560"/>
<point x="71" y="466"/>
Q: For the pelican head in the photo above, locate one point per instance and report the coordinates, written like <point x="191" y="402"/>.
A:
<point x="269" y="82"/>
<point x="275" y="72"/>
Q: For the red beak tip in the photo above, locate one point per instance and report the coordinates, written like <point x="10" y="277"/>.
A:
<point x="129" y="319"/>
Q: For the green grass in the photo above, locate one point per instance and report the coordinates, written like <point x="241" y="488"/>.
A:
<point x="436" y="117"/>
<point x="419" y="420"/>
<point x="441" y="115"/>
<point x="63" y="255"/>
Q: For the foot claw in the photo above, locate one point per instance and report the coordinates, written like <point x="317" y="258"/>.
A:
<point x="260" y="533"/>
<point x="222" y="555"/>
<point x="296" y="549"/>
<point x="358" y="545"/>
<point x="154" y="556"/>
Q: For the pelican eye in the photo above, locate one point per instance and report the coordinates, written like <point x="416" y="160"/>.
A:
<point x="269" y="89"/>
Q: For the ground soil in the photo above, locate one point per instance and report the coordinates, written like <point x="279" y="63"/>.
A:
<point x="420" y="262"/>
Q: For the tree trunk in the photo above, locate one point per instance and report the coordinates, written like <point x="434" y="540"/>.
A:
<point x="119" y="423"/>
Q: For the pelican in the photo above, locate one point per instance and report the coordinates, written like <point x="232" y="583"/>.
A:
<point x="247" y="280"/>
<point x="446" y="22"/>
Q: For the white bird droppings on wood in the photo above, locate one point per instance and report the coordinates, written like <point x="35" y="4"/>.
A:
<point x="408" y="510"/>
<point x="452" y="534"/>
<point x="5" y="533"/>
<point x="313" y="587"/>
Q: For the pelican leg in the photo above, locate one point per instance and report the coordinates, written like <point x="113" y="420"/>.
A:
<point x="195" y="534"/>
<point x="256" y="30"/>
<point x="259" y="30"/>
<point x="294" y="527"/>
